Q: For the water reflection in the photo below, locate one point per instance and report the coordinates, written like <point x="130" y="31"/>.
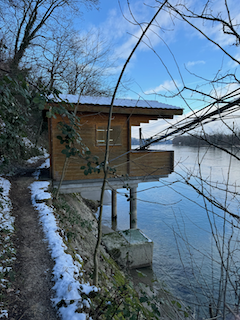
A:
<point x="190" y="234"/>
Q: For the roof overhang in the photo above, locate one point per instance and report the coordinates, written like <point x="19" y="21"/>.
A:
<point x="87" y="104"/>
<point x="159" y="113"/>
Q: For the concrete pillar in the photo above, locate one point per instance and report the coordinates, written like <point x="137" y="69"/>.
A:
<point x="133" y="208"/>
<point x="114" y="209"/>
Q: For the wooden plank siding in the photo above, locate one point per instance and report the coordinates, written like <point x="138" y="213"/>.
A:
<point x="89" y="123"/>
<point x="150" y="162"/>
<point x="135" y="164"/>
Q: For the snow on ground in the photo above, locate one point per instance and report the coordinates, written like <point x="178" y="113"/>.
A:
<point x="45" y="164"/>
<point x="6" y="219"/>
<point x="7" y="252"/>
<point x="67" y="272"/>
<point x="35" y="159"/>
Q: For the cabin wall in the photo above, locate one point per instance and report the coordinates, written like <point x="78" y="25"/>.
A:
<point x="89" y="123"/>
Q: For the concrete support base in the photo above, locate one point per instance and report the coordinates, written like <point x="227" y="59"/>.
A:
<point x="129" y="248"/>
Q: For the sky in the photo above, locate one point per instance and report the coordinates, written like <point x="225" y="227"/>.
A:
<point x="172" y="56"/>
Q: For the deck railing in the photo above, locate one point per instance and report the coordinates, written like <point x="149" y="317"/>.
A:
<point x="151" y="162"/>
<point x="142" y="163"/>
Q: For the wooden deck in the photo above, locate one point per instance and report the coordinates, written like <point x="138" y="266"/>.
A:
<point x="134" y="164"/>
<point x="151" y="162"/>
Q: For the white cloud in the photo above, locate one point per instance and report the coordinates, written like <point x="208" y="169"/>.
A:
<point x="113" y="70"/>
<point x="125" y="32"/>
<point x="166" y="86"/>
<point x="232" y="63"/>
<point x="194" y="63"/>
<point x="222" y="91"/>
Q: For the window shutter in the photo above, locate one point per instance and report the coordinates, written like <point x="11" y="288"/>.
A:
<point x="115" y="136"/>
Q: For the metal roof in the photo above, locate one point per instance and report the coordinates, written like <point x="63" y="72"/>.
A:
<point x="106" y="101"/>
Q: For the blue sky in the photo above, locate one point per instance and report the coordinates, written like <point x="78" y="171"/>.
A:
<point x="180" y="54"/>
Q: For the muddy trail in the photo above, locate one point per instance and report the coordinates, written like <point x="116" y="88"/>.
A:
<point x="31" y="297"/>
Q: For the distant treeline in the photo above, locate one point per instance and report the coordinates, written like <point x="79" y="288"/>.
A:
<point x="204" y="140"/>
<point x="135" y="141"/>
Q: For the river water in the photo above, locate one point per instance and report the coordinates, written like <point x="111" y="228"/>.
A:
<point x="189" y="232"/>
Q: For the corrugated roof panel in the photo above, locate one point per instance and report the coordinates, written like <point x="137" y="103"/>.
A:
<point x="106" y="101"/>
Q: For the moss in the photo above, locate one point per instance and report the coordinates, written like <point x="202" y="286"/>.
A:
<point x="115" y="253"/>
<point x="118" y="276"/>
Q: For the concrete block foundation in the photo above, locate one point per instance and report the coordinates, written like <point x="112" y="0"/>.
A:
<point x="129" y="248"/>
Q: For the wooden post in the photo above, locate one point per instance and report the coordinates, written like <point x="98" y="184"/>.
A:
<point x="140" y="137"/>
<point x="114" y="209"/>
<point x="128" y="144"/>
<point x="133" y="208"/>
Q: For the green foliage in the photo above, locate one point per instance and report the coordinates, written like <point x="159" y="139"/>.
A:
<point x="16" y="105"/>
<point x="185" y="311"/>
<point x="123" y="302"/>
<point x="12" y="117"/>
<point x="69" y="137"/>
<point x="120" y="300"/>
<point x="92" y="164"/>
<point x="69" y="218"/>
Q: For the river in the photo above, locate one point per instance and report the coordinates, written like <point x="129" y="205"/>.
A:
<point x="189" y="232"/>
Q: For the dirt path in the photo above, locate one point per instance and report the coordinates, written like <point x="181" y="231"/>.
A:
<point x="32" y="294"/>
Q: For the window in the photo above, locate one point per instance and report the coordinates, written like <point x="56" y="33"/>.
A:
<point x="115" y="136"/>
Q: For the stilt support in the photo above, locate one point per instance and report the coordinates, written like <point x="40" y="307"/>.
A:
<point x="133" y="208"/>
<point x="114" y="209"/>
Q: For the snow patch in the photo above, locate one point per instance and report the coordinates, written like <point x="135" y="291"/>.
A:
<point x="66" y="272"/>
<point x="6" y="228"/>
<point x="6" y="220"/>
<point x="4" y="313"/>
<point x="35" y="159"/>
<point x="106" y="101"/>
<point x="45" y="164"/>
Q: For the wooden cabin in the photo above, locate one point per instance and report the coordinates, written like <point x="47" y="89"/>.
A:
<point x="131" y="166"/>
